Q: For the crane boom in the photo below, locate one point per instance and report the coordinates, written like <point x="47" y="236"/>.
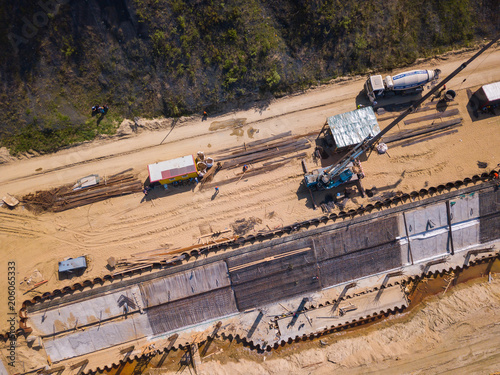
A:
<point x="335" y="170"/>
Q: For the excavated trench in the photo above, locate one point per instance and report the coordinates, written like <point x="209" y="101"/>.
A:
<point x="418" y="290"/>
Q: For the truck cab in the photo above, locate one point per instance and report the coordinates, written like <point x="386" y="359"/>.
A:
<point x="374" y="87"/>
<point x="409" y="82"/>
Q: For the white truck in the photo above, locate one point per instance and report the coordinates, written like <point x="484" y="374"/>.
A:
<point x="405" y="83"/>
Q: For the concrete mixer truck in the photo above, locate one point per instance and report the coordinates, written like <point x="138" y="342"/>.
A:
<point x="405" y="83"/>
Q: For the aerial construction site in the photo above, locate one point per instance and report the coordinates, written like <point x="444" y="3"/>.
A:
<point x="300" y="236"/>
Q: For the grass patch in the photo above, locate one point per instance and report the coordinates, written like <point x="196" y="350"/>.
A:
<point x="50" y="135"/>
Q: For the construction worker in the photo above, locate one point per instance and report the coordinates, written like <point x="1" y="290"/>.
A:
<point x="95" y="110"/>
<point x="216" y="190"/>
<point x="438" y="94"/>
<point x="245" y="168"/>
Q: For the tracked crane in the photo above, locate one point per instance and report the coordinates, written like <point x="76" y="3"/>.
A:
<point x="342" y="172"/>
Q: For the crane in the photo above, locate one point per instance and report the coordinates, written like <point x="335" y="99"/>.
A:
<point x="340" y="173"/>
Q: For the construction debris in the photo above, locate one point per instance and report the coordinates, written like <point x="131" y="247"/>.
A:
<point x="36" y="286"/>
<point x="10" y="201"/>
<point x="163" y="258"/>
<point x="64" y="198"/>
<point x="243" y="226"/>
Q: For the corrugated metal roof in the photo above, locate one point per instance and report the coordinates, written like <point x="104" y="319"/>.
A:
<point x="72" y="264"/>
<point x="492" y="91"/>
<point x="171" y="168"/>
<point x="351" y="128"/>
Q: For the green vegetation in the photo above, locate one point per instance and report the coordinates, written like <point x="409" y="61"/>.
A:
<point x="175" y="57"/>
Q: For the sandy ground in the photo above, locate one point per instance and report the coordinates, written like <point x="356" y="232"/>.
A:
<point x="177" y="218"/>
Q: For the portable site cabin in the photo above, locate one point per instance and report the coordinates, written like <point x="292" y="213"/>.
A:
<point x="488" y="95"/>
<point x="173" y="170"/>
<point x="72" y="265"/>
<point x="351" y="128"/>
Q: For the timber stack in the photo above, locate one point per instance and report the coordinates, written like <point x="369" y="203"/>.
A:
<point x="64" y="198"/>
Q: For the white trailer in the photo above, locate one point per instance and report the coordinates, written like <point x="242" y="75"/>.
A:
<point x="404" y="83"/>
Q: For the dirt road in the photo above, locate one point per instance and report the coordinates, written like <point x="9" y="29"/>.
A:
<point x="300" y="113"/>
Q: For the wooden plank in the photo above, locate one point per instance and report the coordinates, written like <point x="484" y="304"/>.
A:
<point x="273" y="138"/>
<point x="438" y="115"/>
<point x="195" y="358"/>
<point x="269" y="147"/>
<point x="421" y="130"/>
<point x="406" y="144"/>
<point x="246" y="146"/>
<point x="419" y="110"/>
<point x="255" y="158"/>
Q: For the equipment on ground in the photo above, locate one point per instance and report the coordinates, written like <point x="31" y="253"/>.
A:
<point x="342" y="172"/>
<point x="71" y="265"/>
<point x="405" y="83"/>
<point x="488" y="96"/>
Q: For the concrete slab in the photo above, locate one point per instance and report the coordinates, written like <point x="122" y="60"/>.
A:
<point x="329" y="316"/>
<point x="93" y="310"/>
<point x="464" y="207"/>
<point x="422" y="220"/>
<point x="465" y="234"/>
<point x="97" y="338"/>
<point x="430" y="244"/>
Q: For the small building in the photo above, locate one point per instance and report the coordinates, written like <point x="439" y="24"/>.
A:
<point x="169" y="171"/>
<point x="73" y="265"/>
<point x="350" y="128"/>
<point x="488" y="95"/>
